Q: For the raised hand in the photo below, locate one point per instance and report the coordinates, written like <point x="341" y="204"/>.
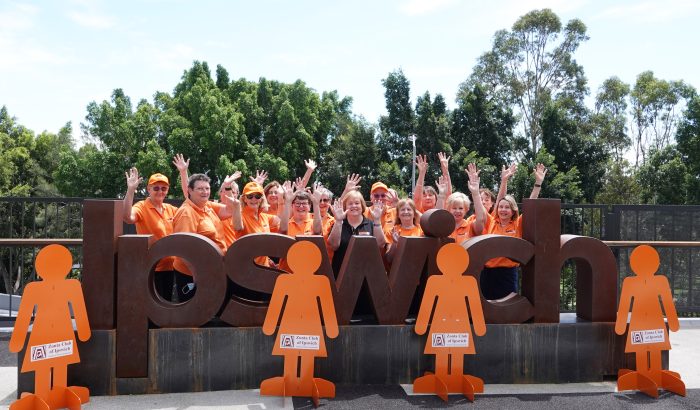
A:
<point x="260" y="177"/>
<point x="180" y="163"/>
<point x="310" y="164"/>
<point x="230" y="179"/>
<point x="421" y="163"/>
<point x="392" y="198"/>
<point x="132" y="178"/>
<point x="473" y="174"/>
<point x="395" y="235"/>
<point x="444" y="160"/>
<point x="540" y="172"/>
<point x="506" y="173"/>
<point x="442" y="186"/>
<point x="316" y="194"/>
<point x="287" y="191"/>
<point x="352" y="182"/>
<point x="298" y="184"/>
<point x="231" y="199"/>
<point x="338" y="212"/>
<point x="377" y="210"/>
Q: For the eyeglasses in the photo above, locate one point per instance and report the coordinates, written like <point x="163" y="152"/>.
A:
<point x="325" y="200"/>
<point x="301" y="204"/>
<point x="159" y="188"/>
<point x="379" y="195"/>
<point x="202" y="189"/>
<point x="256" y="196"/>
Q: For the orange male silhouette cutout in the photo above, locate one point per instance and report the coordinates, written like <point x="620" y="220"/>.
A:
<point x="300" y="334"/>
<point x="647" y="335"/>
<point x="52" y="346"/>
<point x="450" y="335"/>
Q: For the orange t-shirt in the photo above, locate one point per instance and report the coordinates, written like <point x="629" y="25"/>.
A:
<point x="204" y="221"/>
<point x="327" y="224"/>
<point x="229" y="232"/>
<point x="150" y="221"/>
<point x="274" y="223"/>
<point x="462" y="232"/>
<point x="514" y="228"/>
<point x="388" y="218"/>
<point x="306" y="227"/>
<point x="262" y="224"/>
<point x="487" y="223"/>
<point x="413" y="231"/>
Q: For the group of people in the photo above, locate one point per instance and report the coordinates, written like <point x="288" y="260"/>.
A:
<point x="292" y="208"/>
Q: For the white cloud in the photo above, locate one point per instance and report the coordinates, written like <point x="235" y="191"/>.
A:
<point x="420" y="7"/>
<point x="91" y="19"/>
<point x="652" y="11"/>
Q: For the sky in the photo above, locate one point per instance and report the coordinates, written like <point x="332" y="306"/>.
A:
<point x="58" y="56"/>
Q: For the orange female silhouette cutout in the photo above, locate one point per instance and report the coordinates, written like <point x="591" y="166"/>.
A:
<point x="300" y="334"/>
<point x="647" y="335"/>
<point x="450" y="335"/>
<point x="52" y="346"/>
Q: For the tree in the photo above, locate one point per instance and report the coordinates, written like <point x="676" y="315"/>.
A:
<point x="610" y="117"/>
<point x="663" y="177"/>
<point x="655" y="112"/>
<point x="483" y="126"/>
<point x="531" y="65"/>
<point x="688" y="138"/>
<point x="399" y="124"/>
<point x="432" y="131"/>
<point x="620" y="185"/>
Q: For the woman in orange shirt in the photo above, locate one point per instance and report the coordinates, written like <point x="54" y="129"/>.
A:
<point x="426" y="197"/>
<point x="407" y="224"/>
<point x="499" y="279"/>
<point x="458" y="205"/>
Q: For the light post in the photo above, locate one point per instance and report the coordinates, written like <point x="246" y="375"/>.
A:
<point x="413" y="138"/>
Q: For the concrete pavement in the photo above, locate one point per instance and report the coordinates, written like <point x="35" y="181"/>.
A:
<point x="684" y="358"/>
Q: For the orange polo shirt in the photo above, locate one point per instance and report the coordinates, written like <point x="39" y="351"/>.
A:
<point x="388" y="218"/>
<point x="327" y="224"/>
<point x="229" y="232"/>
<point x="514" y="228"/>
<point x="202" y="220"/>
<point x="274" y="227"/>
<point x="462" y="232"/>
<point x="414" y="231"/>
<point x="305" y="227"/>
<point x="487" y="223"/>
<point x="262" y="224"/>
<point x="150" y="221"/>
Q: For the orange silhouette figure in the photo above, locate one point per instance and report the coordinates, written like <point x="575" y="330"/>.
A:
<point x="52" y="346"/>
<point x="647" y="335"/>
<point x="300" y="334"/>
<point x="450" y="335"/>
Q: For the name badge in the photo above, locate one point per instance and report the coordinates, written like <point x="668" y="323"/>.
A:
<point x="51" y="350"/>
<point x="450" y="340"/>
<point x="640" y="337"/>
<point x="306" y="342"/>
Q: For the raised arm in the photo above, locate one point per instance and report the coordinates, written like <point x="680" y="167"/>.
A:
<point x="540" y="172"/>
<point x="442" y="193"/>
<point x="422" y="164"/>
<point x="339" y="214"/>
<point x="351" y="184"/>
<point x="316" y="201"/>
<point x="310" y="167"/>
<point x="182" y="165"/>
<point x="378" y="231"/>
<point x="479" y="209"/>
<point x="286" y="212"/>
<point x="132" y="182"/>
<point x="506" y="174"/>
<point x="260" y="177"/>
<point x="445" y="167"/>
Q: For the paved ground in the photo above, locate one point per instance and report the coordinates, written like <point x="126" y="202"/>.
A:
<point x="684" y="358"/>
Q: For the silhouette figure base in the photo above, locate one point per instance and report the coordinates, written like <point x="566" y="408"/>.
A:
<point x="452" y="383"/>
<point x="72" y="397"/>
<point x="315" y="388"/>
<point x="650" y="382"/>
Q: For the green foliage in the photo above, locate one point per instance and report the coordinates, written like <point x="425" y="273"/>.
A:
<point x="563" y="184"/>
<point x="663" y="177"/>
<point x="620" y="185"/>
<point x="688" y="138"/>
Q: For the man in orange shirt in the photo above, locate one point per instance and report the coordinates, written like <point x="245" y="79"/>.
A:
<point x="152" y="216"/>
<point x="380" y="193"/>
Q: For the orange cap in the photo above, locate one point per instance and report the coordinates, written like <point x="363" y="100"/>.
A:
<point x="253" y="188"/>
<point x="378" y="185"/>
<point x="158" y="178"/>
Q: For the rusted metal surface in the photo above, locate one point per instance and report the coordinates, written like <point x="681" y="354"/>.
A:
<point x="138" y="301"/>
<point x="437" y="223"/>
<point x="596" y="277"/>
<point x="102" y="225"/>
<point x="40" y="242"/>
